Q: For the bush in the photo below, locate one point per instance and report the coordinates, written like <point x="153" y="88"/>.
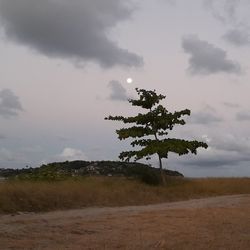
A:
<point x="150" y="177"/>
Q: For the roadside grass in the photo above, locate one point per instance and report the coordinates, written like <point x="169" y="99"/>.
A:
<point x="39" y="196"/>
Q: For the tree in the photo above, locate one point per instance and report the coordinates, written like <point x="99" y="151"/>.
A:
<point x="150" y="130"/>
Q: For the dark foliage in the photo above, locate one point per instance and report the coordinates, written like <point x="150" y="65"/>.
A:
<point x="64" y="170"/>
<point x="156" y="123"/>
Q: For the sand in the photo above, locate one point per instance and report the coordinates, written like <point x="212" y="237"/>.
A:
<point x="211" y="223"/>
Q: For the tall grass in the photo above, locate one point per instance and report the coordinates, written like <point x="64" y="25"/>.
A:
<point x="109" y="191"/>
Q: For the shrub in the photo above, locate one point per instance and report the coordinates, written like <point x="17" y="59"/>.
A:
<point x="150" y="177"/>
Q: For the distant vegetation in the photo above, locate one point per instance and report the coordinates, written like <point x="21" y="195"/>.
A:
<point x="64" y="170"/>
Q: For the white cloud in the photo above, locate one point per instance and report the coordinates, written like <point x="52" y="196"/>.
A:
<point x="206" y="138"/>
<point x="71" y="154"/>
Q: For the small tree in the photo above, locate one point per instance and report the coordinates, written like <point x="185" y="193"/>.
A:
<point x="150" y="130"/>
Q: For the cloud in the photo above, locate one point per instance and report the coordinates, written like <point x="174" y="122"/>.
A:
<point x="32" y="149"/>
<point x="171" y="2"/>
<point x="224" y="11"/>
<point x="206" y="116"/>
<point x="206" y="138"/>
<point x="118" y="92"/>
<point x="11" y="158"/>
<point x="207" y="59"/>
<point x="237" y="37"/>
<point x="9" y="104"/>
<point x="243" y="116"/>
<point x="2" y="137"/>
<point x="216" y="158"/>
<point x="6" y="155"/>
<point x="227" y="150"/>
<point x="231" y="143"/>
<point x="71" y="154"/>
<point x="62" y="138"/>
<point x="232" y="13"/>
<point x="74" y="30"/>
<point x="231" y="105"/>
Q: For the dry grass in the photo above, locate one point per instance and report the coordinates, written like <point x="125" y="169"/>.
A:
<point x="109" y="191"/>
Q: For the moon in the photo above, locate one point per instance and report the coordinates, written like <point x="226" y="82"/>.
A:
<point x="129" y="80"/>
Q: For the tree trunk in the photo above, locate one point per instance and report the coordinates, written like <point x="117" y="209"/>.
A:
<point x="163" y="179"/>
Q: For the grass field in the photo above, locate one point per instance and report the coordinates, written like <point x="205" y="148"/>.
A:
<point x="34" y="196"/>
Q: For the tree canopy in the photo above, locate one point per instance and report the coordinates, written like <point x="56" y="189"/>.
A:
<point x="150" y="130"/>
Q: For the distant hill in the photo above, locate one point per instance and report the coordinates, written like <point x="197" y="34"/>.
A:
<point x="59" y="170"/>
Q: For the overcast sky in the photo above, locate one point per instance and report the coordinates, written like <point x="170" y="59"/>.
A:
<point x="64" y="65"/>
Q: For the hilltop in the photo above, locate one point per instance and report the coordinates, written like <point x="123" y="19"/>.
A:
<point x="57" y="170"/>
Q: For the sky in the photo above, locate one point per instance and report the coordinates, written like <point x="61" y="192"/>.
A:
<point x="64" y="65"/>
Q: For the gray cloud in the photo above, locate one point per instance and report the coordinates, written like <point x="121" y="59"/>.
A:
<point x="231" y="105"/>
<point x="118" y="92"/>
<point x="2" y="137"/>
<point x="6" y="155"/>
<point x="232" y="13"/>
<point x="237" y="37"/>
<point x="218" y="159"/>
<point x="74" y="30"/>
<point x="206" y="59"/>
<point x="171" y="2"/>
<point x="228" y="150"/>
<point x="32" y="149"/>
<point x="12" y="158"/>
<point x="9" y="104"/>
<point x="206" y="116"/>
<point x="231" y="143"/>
<point x="224" y="11"/>
<point x="243" y="116"/>
<point x="211" y="161"/>
<point x="62" y="138"/>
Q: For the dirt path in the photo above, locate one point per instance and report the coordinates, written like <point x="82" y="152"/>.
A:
<point x="211" y="223"/>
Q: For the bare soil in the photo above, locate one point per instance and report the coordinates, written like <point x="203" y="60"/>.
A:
<point x="211" y="223"/>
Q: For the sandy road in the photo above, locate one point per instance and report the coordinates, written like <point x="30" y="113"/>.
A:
<point x="211" y="223"/>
